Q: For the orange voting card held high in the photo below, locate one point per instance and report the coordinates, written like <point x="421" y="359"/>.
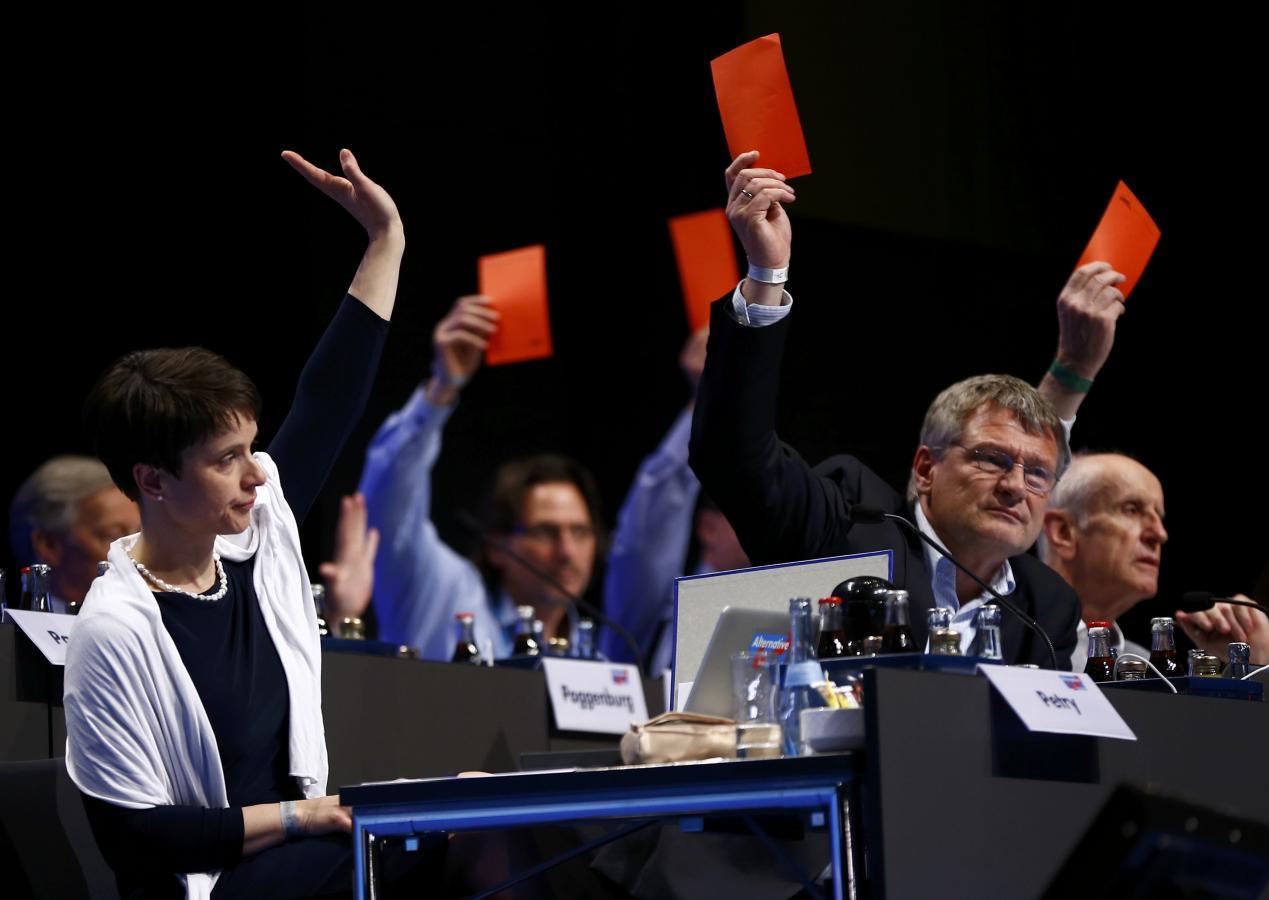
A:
<point x="1125" y="237"/>
<point x="706" y="257"/>
<point x="755" y="100"/>
<point x="516" y="283"/>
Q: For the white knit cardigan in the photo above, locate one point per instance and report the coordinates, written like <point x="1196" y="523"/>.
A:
<point x="137" y="733"/>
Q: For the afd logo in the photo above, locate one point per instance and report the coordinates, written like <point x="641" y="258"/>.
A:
<point x="1074" y="682"/>
<point x="620" y="676"/>
<point x="770" y="643"/>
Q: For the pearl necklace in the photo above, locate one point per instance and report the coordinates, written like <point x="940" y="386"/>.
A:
<point x="173" y="589"/>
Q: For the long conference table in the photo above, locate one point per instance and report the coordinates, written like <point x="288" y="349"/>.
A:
<point x="951" y="796"/>
<point x="386" y="717"/>
<point x="822" y="788"/>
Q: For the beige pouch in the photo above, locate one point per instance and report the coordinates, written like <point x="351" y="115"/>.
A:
<point x="678" y="736"/>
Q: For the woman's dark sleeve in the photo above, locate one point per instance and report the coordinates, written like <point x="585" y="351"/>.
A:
<point x="166" y="838"/>
<point x="329" y="400"/>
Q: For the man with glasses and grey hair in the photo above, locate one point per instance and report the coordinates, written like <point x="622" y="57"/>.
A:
<point x="991" y="447"/>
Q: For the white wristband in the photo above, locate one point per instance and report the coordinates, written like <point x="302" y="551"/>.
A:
<point x="290" y="820"/>
<point x="768" y="276"/>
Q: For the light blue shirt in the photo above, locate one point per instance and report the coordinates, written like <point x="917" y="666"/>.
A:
<point x="943" y="582"/>
<point x="649" y="547"/>
<point x="420" y="582"/>
<point x="1118" y="643"/>
<point x="756" y="314"/>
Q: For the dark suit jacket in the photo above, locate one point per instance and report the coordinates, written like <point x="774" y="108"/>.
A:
<point x="785" y="510"/>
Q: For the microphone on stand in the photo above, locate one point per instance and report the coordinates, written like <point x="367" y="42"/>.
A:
<point x="872" y="515"/>
<point x="1200" y="601"/>
<point x="472" y="524"/>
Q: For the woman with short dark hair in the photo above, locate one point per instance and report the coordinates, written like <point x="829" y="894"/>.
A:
<point x="193" y="685"/>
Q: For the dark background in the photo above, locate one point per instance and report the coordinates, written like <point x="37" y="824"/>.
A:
<point x="962" y="154"/>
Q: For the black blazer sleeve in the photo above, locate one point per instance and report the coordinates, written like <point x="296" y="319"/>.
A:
<point x="781" y="508"/>
<point x="329" y="400"/>
<point x="1047" y="598"/>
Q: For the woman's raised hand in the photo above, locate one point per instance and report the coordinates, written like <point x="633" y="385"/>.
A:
<point x="368" y="203"/>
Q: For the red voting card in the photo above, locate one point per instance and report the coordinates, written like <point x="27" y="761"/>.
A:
<point x="1125" y="237"/>
<point x="516" y="283"/>
<point x="706" y="257"/>
<point x="756" y="103"/>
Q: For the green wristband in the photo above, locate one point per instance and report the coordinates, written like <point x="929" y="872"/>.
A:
<point x="1069" y="379"/>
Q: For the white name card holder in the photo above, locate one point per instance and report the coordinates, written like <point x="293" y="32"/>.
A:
<point x="50" y="632"/>
<point x="597" y="697"/>
<point x="1058" y="702"/>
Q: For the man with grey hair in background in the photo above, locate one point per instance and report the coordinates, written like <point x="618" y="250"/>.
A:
<point x="68" y="511"/>
<point x="1104" y="534"/>
<point x="65" y="515"/>
<point x="991" y="449"/>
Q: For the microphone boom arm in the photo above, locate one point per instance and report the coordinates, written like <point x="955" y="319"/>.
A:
<point x="996" y="596"/>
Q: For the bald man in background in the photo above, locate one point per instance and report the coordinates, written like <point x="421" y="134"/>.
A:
<point x="1104" y="534"/>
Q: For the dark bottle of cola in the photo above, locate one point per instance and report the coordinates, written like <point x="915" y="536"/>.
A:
<point x="526" y="643"/>
<point x="1163" y="655"/>
<point x="857" y="623"/>
<point x="1106" y="623"/>
<point x="465" y="649"/>
<point x="832" y="639"/>
<point x="871" y="590"/>
<point x="896" y="636"/>
<point x="1101" y="665"/>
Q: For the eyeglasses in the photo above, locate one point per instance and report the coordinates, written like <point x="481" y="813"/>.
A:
<point x="550" y="533"/>
<point x="1038" y="479"/>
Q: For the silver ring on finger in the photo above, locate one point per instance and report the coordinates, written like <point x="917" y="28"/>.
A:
<point x="748" y="196"/>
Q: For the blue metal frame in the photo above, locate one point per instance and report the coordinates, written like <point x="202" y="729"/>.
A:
<point x="792" y="565"/>
<point x="815" y="793"/>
